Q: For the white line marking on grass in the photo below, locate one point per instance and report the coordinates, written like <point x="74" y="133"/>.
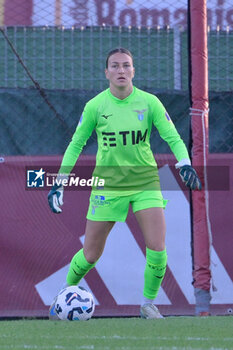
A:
<point x="50" y="347"/>
<point x="100" y="347"/>
<point x="25" y="346"/>
<point x="155" y="347"/>
<point x="120" y="337"/>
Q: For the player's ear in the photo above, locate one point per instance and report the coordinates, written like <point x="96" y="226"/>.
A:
<point x="106" y="73"/>
<point x="133" y="72"/>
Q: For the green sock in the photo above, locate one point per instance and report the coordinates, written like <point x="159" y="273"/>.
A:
<point x="156" y="262"/>
<point x="79" y="267"/>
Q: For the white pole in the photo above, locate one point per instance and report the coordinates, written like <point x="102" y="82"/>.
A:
<point x="177" y="58"/>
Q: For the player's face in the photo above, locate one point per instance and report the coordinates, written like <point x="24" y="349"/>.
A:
<point x="120" y="71"/>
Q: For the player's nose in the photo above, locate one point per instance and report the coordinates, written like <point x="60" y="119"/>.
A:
<point x="121" y="69"/>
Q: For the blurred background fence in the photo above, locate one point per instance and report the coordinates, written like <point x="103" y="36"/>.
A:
<point x="64" y="45"/>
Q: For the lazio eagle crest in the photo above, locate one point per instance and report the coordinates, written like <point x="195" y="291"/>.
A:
<point x="140" y="113"/>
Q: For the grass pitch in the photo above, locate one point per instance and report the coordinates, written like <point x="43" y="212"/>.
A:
<point x="174" y="333"/>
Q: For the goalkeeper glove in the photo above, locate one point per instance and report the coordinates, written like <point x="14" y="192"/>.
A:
<point x="55" y="198"/>
<point x="190" y="177"/>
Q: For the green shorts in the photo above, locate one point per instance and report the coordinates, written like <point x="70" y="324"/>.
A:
<point x="113" y="208"/>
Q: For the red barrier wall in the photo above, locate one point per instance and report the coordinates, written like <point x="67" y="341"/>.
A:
<point x="18" y="12"/>
<point x="37" y="245"/>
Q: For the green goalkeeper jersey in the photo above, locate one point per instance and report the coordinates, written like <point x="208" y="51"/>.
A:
<point x="124" y="158"/>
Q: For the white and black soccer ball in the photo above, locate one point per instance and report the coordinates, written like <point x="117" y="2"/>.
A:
<point x="74" y="303"/>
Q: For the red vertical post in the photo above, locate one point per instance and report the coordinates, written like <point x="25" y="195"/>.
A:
<point x="199" y="125"/>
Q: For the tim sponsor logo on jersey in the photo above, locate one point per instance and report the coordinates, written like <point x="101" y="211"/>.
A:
<point x="126" y="137"/>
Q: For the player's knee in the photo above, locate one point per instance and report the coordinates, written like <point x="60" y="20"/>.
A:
<point x="92" y="256"/>
<point x="156" y="257"/>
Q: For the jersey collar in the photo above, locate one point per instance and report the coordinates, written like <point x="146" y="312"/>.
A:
<point x="125" y="100"/>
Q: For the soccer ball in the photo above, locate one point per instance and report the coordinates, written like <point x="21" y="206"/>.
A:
<point x="74" y="304"/>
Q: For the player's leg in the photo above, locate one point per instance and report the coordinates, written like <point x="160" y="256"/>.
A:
<point x="152" y="223"/>
<point x="102" y="213"/>
<point x="85" y="259"/>
<point x="153" y="227"/>
<point x="96" y="233"/>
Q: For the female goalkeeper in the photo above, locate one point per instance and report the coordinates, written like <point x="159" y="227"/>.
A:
<point x="123" y="116"/>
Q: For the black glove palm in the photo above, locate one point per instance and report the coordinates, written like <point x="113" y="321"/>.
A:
<point x="55" y="198"/>
<point x="190" y="177"/>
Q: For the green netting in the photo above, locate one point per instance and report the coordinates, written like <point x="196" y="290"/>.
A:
<point x="61" y="58"/>
<point x="220" y="58"/>
<point x="75" y="58"/>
